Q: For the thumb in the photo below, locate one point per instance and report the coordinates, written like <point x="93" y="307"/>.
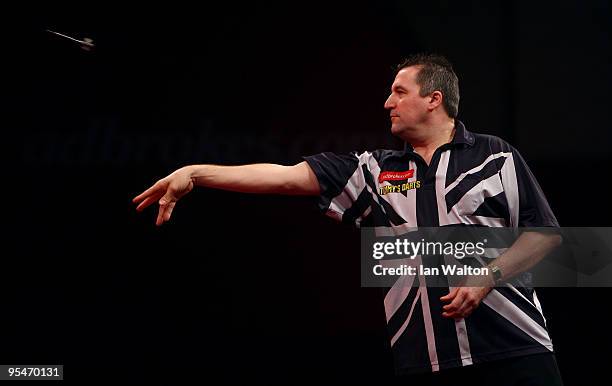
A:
<point x="451" y="294"/>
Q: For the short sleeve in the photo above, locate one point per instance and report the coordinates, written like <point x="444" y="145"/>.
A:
<point x="344" y="191"/>
<point x="533" y="208"/>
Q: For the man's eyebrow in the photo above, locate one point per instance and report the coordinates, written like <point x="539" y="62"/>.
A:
<point x="398" y="87"/>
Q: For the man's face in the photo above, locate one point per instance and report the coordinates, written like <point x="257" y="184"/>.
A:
<point x="406" y="108"/>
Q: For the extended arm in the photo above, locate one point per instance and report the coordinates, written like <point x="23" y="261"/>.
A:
<point x="255" y="178"/>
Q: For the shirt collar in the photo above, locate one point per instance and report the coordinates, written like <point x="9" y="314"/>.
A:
<point x="462" y="136"/>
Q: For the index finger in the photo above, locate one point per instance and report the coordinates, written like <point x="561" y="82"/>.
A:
<point x="148" y="201"/>
<point x="145" y="194"/>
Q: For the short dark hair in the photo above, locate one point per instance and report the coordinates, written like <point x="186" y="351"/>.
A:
<point x="436" y="74"/>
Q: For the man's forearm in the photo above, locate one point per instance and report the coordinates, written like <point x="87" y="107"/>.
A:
<point x="257" y="178"/>
<point x="528" y="250"/>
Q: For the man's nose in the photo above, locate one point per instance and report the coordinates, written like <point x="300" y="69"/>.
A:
<point x="389" y="103"/>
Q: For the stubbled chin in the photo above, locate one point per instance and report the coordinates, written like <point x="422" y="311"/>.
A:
<point x="395" y="129"/>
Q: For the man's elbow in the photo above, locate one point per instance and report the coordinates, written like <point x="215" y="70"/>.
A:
<point x="552" y="240"/>
<point x="555" y="240"/>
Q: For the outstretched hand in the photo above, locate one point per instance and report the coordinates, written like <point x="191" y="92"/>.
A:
<point x="166" y="192"/>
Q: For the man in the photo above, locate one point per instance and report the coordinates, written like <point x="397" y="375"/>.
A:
<point x="449" y="177"/>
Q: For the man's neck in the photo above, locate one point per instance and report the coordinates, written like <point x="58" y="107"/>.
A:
<point x="437" y="136"/>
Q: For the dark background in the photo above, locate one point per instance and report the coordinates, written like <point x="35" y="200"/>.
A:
<point x="262" y="288"/>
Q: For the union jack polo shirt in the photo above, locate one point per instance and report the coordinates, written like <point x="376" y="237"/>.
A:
<point x="475" y="180"/>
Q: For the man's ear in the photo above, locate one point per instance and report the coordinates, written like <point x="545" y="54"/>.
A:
<point x="435" y="99"/>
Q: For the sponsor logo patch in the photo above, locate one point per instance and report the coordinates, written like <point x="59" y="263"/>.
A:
<point x="395" y="176"/>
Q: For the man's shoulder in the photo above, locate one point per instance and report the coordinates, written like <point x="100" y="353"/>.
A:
<point x="378" y="154"/>
<point x="493" y="142"/>
<point x="356" y="156"/>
